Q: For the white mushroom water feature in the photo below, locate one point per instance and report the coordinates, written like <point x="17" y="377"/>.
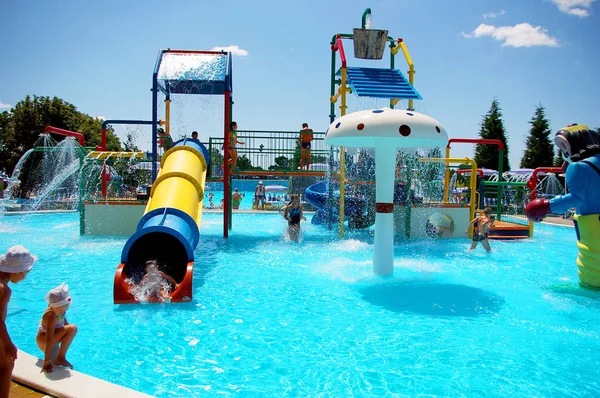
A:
<point x="386" y="130"/>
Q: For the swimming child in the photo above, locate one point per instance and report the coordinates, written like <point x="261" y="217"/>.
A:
<point x="54" y="328"/>
<point x="482" y="225"/>
<point x="14" y="266"/>
<point x="292" y="212"/>
<point x="156" y="285"/>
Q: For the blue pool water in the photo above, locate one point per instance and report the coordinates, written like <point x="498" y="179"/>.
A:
<point x="271" y="317"/>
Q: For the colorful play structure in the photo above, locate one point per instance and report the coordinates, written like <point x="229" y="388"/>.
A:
<point x="580" y="148"/>
<point x="158" y="200"/>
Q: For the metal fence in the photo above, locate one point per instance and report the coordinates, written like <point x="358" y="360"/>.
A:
<point x="268" y="151"/>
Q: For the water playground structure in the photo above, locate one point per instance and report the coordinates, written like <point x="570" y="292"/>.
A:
<point x="158" y="200"/>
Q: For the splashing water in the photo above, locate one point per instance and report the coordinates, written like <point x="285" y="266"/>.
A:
<point x="550" y="186"/>
<point x="153" y="287"/>
<point x="368" y="22"/>
<point x="46" y="173"/>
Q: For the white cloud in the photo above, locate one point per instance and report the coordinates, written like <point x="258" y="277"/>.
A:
<point x="579" y="8"/>
<point x="5" y="106"/>
<point x="101" y="117"/>
<point x="520" y="35"/>
<point x="493" y="14"/>
<point x="235" y="50"/>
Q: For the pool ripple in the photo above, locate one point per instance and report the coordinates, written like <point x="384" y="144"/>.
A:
<point x="276" y="318"/>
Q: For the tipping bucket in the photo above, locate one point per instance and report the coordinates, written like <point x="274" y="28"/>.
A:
<point x="369" y="43"/>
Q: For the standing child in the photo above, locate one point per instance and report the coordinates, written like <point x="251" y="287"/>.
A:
<point x="306" y="137"/>
<point x="292" y="212"/>
<point x="233" y="141"/>
<point x="259" y="195"/>
<point x="54" y="328"/>
<point x="14" y="266"/>
<point x="480" y="233"/>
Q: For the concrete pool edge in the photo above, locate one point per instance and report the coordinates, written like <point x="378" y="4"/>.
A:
<point x="65" y="382"/>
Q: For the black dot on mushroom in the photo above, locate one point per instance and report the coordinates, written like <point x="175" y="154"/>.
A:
<point x="404" y="130"/>
<point x="360" y="126"/>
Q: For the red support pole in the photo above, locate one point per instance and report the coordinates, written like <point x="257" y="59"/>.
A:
<point x="341" y="48"/>
<point x="226" y="168"/>
<point x="103" y="140"/>
<point x="105" y="179"/>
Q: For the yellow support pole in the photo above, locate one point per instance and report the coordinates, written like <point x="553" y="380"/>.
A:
<point x="167" y="117"/>
<point x="447" y="178"/>
<point x="343" y="108"/>
<point x="411" y="66"/>
<point x="472" y="181"/>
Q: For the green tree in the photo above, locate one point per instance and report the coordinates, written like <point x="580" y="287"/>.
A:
<point x="129" y="144"/>
<point x="558" y="160"/>
<point x="21" y="127"/>
<point x="539" y="149"/>
<point x="282" y="163"/>
<point x="492" y="127"/>
<point x="243" y="163"/>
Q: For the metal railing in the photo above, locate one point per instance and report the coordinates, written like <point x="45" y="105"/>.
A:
<point x="262" y="151"/>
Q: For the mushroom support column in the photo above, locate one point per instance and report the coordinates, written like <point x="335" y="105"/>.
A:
<point x="386" y="130"/>
<point x="383" y="252"/>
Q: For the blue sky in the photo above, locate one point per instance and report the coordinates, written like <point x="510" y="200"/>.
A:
<point x="100" y="56"/>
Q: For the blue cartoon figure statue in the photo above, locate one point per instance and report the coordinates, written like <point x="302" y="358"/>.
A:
<point x="580" y="148"/>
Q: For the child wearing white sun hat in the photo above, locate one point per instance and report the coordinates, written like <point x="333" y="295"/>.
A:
<point x="14" y="266"/>
<point x="54" y="328"/>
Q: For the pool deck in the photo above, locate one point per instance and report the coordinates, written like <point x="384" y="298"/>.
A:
<point x="61" y="382"/>
<point x="558" y="220"/>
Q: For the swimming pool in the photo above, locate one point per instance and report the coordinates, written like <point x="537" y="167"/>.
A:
<point x="280" y="318"/>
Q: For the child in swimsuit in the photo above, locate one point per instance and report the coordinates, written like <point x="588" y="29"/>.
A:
<point x="292" y="212"/>
<point x="236" y="199"/>
<point x="164" y="140"/>
<point x="232" y="150"/>
<point x="54" y="328"/>
<point x="156" y="285"/>
<point x="482" y="225"/>
<point x="15" y="264"/>
<point x="306" y="136"/>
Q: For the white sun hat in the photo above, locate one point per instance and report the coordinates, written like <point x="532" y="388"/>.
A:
<point x="17" y="259"/>
<point x="59" y="296"/>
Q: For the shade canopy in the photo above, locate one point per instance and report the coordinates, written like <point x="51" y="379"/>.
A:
<point x="193" y="72"/>
<point x="387" y="127"/>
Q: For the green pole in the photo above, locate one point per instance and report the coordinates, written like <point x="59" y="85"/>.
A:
<point x="80" y="204"/>
<point x="364" y="17"/>
<point x="500" y="185"/>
